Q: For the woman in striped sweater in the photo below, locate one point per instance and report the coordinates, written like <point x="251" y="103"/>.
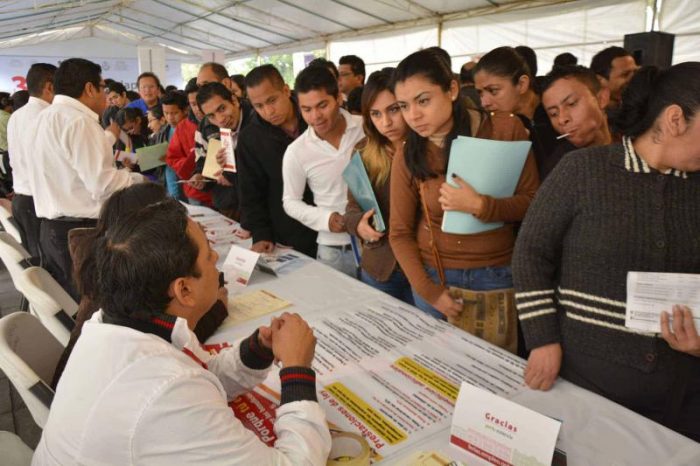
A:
<point x="603" y="212"/>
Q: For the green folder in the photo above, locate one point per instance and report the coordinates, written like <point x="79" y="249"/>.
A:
<point x="150" y="156"/>
<point x="356" y="177"/>
<point x="490" y="167"/>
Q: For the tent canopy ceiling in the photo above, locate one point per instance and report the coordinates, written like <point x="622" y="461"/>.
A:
<point x="239" y="28"/>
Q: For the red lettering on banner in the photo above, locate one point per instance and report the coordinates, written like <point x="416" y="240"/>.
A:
<point x="20" y="82"/>
<point x="473" y="449"/>
<point x="257" y="414"/>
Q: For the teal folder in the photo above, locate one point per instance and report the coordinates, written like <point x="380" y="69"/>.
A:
<point x="150" y="156"/>
<point x="356" y="177"/>
<point x="490" y="167"/>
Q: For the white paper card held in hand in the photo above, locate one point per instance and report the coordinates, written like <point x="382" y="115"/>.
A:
<point x="488" y="429"/>
<point x="227" y="144"/>
<point x="650" y="293"/>
<point x="239" y="264"/>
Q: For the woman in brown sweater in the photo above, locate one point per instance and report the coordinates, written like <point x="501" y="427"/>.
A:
<point x="429" y="99"/>
<point x="386" y="130"/>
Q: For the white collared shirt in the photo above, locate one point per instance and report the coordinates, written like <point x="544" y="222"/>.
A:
<point x="310" y="159"/>
<point x="130" y="398"/>
<point x="73" y="170"/>
<point x="21" y="140"/>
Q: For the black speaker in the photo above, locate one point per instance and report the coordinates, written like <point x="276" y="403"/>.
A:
<point x="651" y="48"/>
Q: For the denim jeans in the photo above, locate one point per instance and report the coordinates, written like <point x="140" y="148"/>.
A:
<point x="397" y="285"/>
<point x="171" y="184"/>
<point x="486" y="278"/>
<point x="342" y="260"/>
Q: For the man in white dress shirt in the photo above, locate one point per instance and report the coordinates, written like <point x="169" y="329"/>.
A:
<point x="73" y="170"/>
<point x="318" y="157"/>
<point x="139" y="388"/>
<point x="21" y="138"/>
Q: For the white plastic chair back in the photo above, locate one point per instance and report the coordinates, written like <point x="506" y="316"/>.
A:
<point x="14" y="451"/>
<point x="13" y="255"/>
<point x="48" y="301"/>
<point x="5" y="216"/>
<point x="28" y="356"/>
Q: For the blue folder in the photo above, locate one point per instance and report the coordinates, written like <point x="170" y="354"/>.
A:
<point x="490" y="167"/>
<point x="356" y="177"/>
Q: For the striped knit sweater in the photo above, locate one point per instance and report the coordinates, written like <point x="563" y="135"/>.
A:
<point x="601" y="213"/>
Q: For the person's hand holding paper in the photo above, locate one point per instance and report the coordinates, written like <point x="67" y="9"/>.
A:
<point x="365" y="230"/>
<point x="463" y="198"/>
<point x="684" y="337"/>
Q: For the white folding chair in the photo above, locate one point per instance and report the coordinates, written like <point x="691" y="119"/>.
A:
<point x="15" y="258"/>
<point x="7" y="222"/>
<point x="28" y="356"/>
<point x="14" y="451"/>
<point x="48" y="301"/>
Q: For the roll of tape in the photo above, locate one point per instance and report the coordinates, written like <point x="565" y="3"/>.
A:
<point x="348" y="449"/>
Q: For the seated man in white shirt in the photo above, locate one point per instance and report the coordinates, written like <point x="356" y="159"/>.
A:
<point x="73" y="169"/>
<point x="139" y="389"/>
<point x="318" y="157"/>
<point x="21" y="138"/>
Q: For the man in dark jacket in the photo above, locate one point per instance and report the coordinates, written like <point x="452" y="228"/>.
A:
<point x="225" y="191"/>
<point x="261" y="146"/>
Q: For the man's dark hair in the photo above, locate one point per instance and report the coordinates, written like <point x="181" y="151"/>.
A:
<point x="191" y="86"/>
<point x="116" y="86"/>
<point x="218" y="69"/>
<point x="466" y="76"/>
<point x="261" y="73"/>
<point x="73" y="74"/>
<point x="148" y="74"/>
<point x="170" y="88"/>
<point x="354" y="102"/>
<point x="19" y="100"/>
<point x="37" y="77"/>
<point x="153" y="238"/>
<point x="132" y="95"/>
<point x="529" y="56"/>
<point x="210" y="90"/>
<point x="357" y="65"/>
<point x="127" y="114"/>
<point x="580" y="73"/>
<point x="314" y="78"/>
<point x="120" y="204"/>
<point x="601" y="64"/>
<point x="5" y="100"/>
<point x="239" y="79"/>
<point x="156" y="111"/>
<point x="175" y="98"/>
<point x="325" y="63"/>
<point x="564" y="59"/>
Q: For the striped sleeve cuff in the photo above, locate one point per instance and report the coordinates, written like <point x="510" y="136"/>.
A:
<point x="253" y="354"/>
<point x="538" y="317"/>
<point x="298" y="384"/>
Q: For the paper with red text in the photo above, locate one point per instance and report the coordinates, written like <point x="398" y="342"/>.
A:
<point x="489" y="429"/>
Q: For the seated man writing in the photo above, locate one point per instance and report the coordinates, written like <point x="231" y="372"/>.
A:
<point x="139" y="389"/>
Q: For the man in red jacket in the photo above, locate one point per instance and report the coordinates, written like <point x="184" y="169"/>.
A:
<point x="180" y="156"/>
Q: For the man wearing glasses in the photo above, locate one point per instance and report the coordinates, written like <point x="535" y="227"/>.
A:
<point x="73" y="170"/>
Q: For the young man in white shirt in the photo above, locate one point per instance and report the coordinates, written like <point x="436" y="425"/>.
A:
<point x="161" y="398"/>
<point x="21" y="138"/>
<point x="318" y="157"/>
<point x="73" y="170"/>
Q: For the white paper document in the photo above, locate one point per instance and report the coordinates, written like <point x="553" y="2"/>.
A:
<point x="227" y="143"/>
<point x="650" y="293"/>
<point x="489" y="429"/>
<point x="239" y="265"/>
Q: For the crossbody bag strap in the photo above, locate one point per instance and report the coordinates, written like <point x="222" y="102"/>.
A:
<point x="426" y="212"/>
